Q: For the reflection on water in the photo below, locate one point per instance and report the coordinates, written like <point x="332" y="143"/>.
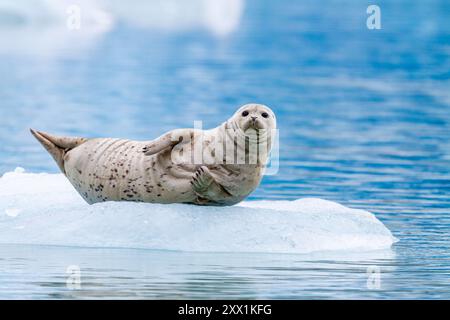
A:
<point x="127" y="273"/>
<point x="40" y="272"/>
<point x="364" y="120"/>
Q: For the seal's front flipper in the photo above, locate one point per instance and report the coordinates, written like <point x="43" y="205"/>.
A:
<point x="169" y="139"/>
<point x="57" y="146"/>
<point x="209" y="192"/>
<point x="202" y="180"/>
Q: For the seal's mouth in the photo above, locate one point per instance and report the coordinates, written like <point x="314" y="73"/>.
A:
<point x="254" y="124"/>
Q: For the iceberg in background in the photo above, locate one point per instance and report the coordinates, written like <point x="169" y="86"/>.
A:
<point x="42" y="27"/>
<point x="219" y="17"/>
<point x="45" y="209"/>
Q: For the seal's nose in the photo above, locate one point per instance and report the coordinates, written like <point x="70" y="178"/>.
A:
<point x="254" y="118"/>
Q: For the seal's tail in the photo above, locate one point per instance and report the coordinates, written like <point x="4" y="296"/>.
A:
<point x="57" y="146"/>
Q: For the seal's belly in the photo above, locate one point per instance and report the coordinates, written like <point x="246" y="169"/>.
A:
<point x="118" y="170"/>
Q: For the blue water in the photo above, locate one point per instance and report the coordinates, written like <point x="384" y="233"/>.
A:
<point x="364" y="118"/>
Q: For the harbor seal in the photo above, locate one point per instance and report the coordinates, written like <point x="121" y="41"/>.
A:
<point x="219" y="166"/>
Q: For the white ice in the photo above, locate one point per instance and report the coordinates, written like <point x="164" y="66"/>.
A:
<point x="45" y="209"/>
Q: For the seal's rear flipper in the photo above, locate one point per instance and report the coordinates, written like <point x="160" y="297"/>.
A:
<point x="57" y="146"/>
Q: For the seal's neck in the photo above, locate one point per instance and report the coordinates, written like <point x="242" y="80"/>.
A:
<point x="250" y="147"/>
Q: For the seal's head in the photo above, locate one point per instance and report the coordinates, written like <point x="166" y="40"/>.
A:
<point x="255" y="116"/>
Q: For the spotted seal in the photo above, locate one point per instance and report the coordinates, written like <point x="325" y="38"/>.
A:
<point x="219" y="166"/>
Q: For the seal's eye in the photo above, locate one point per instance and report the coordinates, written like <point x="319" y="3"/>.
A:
<point x="245" y="113"/>
<point x="264" y="114"/>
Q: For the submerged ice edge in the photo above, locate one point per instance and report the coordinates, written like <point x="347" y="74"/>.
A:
<point x="44" y="209"/>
